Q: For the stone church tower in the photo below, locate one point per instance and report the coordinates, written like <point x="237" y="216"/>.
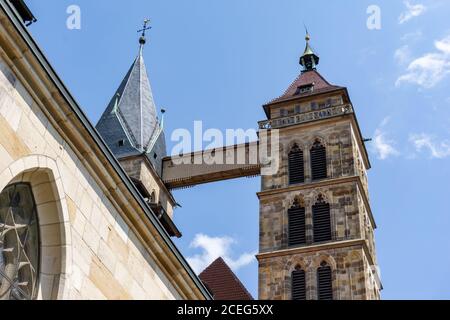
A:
<point x="316" y="225"/>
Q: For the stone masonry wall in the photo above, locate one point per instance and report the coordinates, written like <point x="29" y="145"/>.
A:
<point x="336" y="137"/>
<point x="138" y="168"/>
<point x="348" y="273"/>
<point x="350" y="220"/>
<point x="88" y="251"/>
<point x="344" y="210"/>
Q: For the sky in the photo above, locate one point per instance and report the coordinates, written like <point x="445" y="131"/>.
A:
<point x="219" y="61"/>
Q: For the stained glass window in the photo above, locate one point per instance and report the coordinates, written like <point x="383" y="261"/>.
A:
<point x="19" y="243"/>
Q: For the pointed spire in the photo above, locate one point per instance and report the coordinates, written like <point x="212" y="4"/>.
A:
<point x="309" y="60"/>
<point x="129" y="124"/>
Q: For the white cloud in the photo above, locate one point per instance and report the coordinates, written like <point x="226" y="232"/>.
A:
<point x="382" y="145"/>
<point x="412" y="36"/>
<point x="403" y="55"/>
<point x="412" y="10"/>
<point x="423" y="141"/>
<point x="213" y="248"/>
<point x="428" y="70"/>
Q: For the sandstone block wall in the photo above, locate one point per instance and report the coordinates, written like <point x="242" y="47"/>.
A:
<point x="88" y="250"/>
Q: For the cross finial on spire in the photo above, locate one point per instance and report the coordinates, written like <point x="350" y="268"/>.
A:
<point x="142" y="39"/>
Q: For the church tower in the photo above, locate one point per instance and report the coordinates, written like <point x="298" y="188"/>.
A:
<point x="135" y="135"/>
<point x="316" y="224"/>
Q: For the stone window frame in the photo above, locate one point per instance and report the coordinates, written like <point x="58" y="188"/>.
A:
<point x="42" y="173"/>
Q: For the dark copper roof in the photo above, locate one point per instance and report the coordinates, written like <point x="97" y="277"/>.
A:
<point x="223" y="283"/>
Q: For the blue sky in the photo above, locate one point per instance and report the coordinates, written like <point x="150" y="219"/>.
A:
<point x="219" y="61"/>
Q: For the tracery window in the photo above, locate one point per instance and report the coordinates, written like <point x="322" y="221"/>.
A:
<point x="19" y="243"/>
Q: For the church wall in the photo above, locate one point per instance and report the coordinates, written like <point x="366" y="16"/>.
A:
<point x="103" y="258"/>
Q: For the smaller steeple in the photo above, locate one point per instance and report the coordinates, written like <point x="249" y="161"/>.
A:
<point x="309" y="60"/>
<point x="129" y="124"/>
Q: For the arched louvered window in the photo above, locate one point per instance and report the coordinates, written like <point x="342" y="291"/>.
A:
<point x="324" y="282"/>
<point x="321" y="220"/>
<point x="298" y="284"/>
<point x="318" y="161"/>
<point x="296" y="224"/>
<point x="296" y="165"/>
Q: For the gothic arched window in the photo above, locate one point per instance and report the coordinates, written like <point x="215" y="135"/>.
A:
<point x="19" y="243"/>
<point x="321" y="220"/>
<point x="324" y="282"/>
<point x="298" y="284"/>
<point x="296" y="166"/>
<point x="318" y="161"/>
<point x="296" y="224"/>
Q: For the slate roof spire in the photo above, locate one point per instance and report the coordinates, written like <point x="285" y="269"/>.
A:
<point x="130" y="124"/>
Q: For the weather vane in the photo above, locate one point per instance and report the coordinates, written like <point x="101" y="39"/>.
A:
<point x="145" y="28"/>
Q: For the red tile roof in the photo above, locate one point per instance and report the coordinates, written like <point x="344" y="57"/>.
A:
<point x="310" y="77"/>
<point x="223" y="283"/>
